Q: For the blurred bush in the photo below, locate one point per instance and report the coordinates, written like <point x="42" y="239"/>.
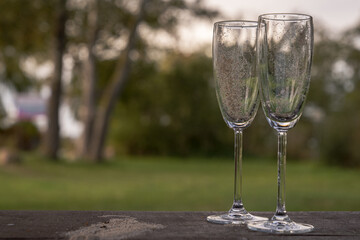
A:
<point x="170" y="108"/>
<point x="23" y="135"/>
<point x="169" y="105"/>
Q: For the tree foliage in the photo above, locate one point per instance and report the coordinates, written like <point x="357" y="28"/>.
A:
<point x="171" y="108"/>
<point x="180" y="121"/>
<point x="26" y="30"/>
<point x="154" y="15"/>
<point x="169" y="105"/>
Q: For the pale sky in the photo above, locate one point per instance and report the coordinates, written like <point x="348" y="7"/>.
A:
<point x="334" y="15"/>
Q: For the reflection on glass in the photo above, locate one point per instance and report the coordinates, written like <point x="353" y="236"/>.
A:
<point x="237" y="89"/>
<point x="285" y="46"/>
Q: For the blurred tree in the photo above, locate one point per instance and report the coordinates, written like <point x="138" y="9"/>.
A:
<point x="52" y="135"/>
<point x="340" y="135"/>
<point x="171" y="109"/>
<point x="25" y="35"/>
<point x="173" y="112"/>
<point x="24" y="42"/>
<point x="159" y="15"/>
<point x="89" y="77"/>
<point x="169" y="106"/>
<point x="113" y="89"/>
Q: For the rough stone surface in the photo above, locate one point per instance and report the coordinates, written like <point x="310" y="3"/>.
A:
<point x="162" y="225"/>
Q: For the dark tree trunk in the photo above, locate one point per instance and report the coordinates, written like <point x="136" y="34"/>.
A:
<point x="112" y="92"/>
<point x="52" y="135"/>
<point x="89" y="80"/>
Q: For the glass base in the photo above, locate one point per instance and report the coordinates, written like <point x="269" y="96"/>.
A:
<point x="230" y="218"/>
<point x="280" y="227"/>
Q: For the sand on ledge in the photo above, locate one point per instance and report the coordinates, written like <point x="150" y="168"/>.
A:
<point x="118" y="227"/>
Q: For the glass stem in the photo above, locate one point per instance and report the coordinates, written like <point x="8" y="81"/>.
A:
<point x="237" y="206"/>
<point x="281" y="214"/>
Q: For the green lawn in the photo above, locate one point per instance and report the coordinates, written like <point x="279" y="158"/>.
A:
<point x="160" y="183"/>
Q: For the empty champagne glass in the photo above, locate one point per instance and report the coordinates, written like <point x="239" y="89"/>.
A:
<point x="237" y="89"/>
<point x="285" y="46"/>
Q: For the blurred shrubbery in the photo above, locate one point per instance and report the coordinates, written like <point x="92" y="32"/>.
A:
<point x="23" y="135"/>
<point x="170" y="108"/>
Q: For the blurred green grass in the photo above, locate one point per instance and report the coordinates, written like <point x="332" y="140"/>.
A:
<point x="173" y="184"/>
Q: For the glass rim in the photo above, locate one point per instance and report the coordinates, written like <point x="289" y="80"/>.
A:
<point x="294" y="17"/>
<point x="237" y="23"/>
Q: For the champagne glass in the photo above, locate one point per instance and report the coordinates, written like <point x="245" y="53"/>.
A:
<point x="285" y="46"/>
<point x="237" y="90"/>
